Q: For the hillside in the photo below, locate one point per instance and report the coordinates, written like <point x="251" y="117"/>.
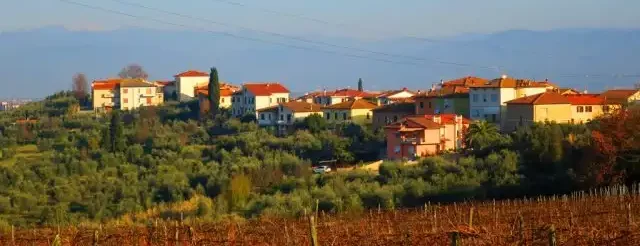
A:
<point x="44" y="60"/>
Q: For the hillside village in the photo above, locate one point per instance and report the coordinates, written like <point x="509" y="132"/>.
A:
<point x="416" y="123"/>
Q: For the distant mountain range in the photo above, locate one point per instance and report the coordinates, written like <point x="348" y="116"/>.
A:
<point x="37" y="62"/>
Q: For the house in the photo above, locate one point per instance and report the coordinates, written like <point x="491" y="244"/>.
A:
<point x="356" y="111"/>
<point x="425" y="135"/>
<point x="488" y="101"/>
<point x="339" y="96"/>
<point x="541" y="107"/>
<point x="105" y="94"/>
<point x="585" y="107"/>
<point x="186" y="81"/>
<point x="226" y="93"/>
<point x="169" y="89"/>
<point x="567" y="91"/>
<point x="125" y="94"/>
<point x="465" y="82"/>
<point x="446" y="100"/>
<point x="620" y="97"/>
<point x="309" y="97"/>
<point x="255" y="96"/>
<point x="135" y="93"/>
<point x="387" y="114"/>
<point x="284" y="115"/>
<point x="394" y="96"/>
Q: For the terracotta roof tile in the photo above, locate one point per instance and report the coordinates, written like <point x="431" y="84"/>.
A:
<point x="393" y="92"/>
<point x="466" y="82"/>
<point x="585" y="99"/>
<point x="302" y="107"/>
<point x="353" y="104"/>
<point x="135" y="83"/>
<point x="265" y="89"/>
<point x="513" y="83"/>
<point x="107" y="84"/>
<point x="224" y="92"/>
<point x="348" y="93"/>
<point x="192" y="73"/>
<point x="619" y="96"/>
<point x="541" y="99"/>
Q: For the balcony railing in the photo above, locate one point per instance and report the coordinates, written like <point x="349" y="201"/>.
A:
<point x="412" y="140"/>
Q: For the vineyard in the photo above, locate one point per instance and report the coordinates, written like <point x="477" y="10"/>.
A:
<point x="607" y="218"/>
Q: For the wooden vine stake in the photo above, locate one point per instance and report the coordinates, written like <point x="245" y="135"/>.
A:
<point x="471" y="217"/>
<point x="552" y="236"/>
<point x="455" y="238"/>
<point x="312" y="231"/>
<point x="57" y="241"/>
<point x="521" y="229"/>
<point x="95" y="238"/>
<point x="177" y="236"/>
<point x="629" y="218"/>
<point x="13" y="235"/>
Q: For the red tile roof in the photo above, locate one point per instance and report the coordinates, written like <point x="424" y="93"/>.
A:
<point x="466" y="82"/>
<point x="107" y="84"/>
<point x="585" y="99"/>
<point x="445" y="91"/>
<point x="513" y="83"/>
<point x="302" y="107"/>
<point x="192" y="73"/>
<point x="265" y="89"/>
<point x="428" y="121"/>
<point x="353" y="104"/>
<point x="618" y="96"/>
<point x="347" y="93"/>
<point x="542" y="98"/>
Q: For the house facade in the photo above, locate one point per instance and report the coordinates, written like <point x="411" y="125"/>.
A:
<point x="585" y="107"/>
<point x="488" y="101"/>
<point x="285" y="115"/>
<point x="327" y="98"/>
<point x="185" y="83"/>
<point x="542" y="107"/>
<point x="616" y="99"/>
<point x="357" y="111"/>
<point x="446" y="100"/>
<point x="255" y="96"/>
<point x="420" y="136"/>
<point x="105" y="95"/>
<point x="135" y="93"/>
<point x="392" y="113"/>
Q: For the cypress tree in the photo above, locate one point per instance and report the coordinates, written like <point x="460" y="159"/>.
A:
<point x="214" y="92"/>
<point x="117" y="133"/>
<point x="360" y="88"/>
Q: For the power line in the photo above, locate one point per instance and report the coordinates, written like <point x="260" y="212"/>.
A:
<point x="493" y="68"/>
<point x="235" y="35"/>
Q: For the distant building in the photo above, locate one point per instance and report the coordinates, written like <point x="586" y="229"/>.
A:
<point x="255" y="96"/>
<point x="284" y="115"/>
<point x="620" y="97"/>
<point x="392" y="113"/>
<point x="352" y="111"/>
<point x="425" y="135"/>
<point x="394" y="96"/>
<point x="541" y="107"/>
<point x="488" y="100"/>
<point x="327" y="98"/>
<point x="186" y="82"/>
<point x="125" y="94"/>
<point x="226" y="95"/>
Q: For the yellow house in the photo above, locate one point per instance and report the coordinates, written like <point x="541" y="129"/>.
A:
<point x="357" y="111"/>
<point x="547" y="106"/>
<point x="616" y="99"/>
<point x="105" y="94"/>
<point x="585" y="107"/>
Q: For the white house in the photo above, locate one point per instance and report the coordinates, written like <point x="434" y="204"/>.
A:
<point x="255" y="96"/>
<point x="488" y="101"/>
<point x="390" y="97"/>
<point x="187" y="81"/>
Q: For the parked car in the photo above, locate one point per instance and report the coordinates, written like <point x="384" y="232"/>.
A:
<point x="321" y="169"/>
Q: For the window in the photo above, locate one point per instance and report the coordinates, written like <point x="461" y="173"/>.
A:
<point x="494" y="97"/>
<point x="606" y="108"/>
<point x="588" y="109"/>
<point x="580" y="109"/>
<point x="148" y="90"/>
<point x="475" y="97"/>
<point x="288" y="117"/>
<point x="484" y="97"/>
<point x="222" y="100"/>
<point x="328" y="116"/>
<point x="421" y="104"/>
<point x="148" y="100"/>
<point x="125" y="91"/>
<point x="344" y="116"/>
<point x="386" y="119"/>
<point x="282" y="117"/>
<point x="269" y="116"/>
<point x="262" y="116"/>
<point x="395" y="118"/>
<point x="476" y="113"/>
<point x="126" y="100"/>
<point x="368" y="116"/>
<point x="429" y="104"/>
<point x="396" y="149"/>
<point x="335" y="115"/>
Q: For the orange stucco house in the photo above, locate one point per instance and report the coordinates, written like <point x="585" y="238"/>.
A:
<point x="425" y="135"/>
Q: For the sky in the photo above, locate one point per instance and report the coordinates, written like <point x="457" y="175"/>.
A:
<point x="348" y="18"/>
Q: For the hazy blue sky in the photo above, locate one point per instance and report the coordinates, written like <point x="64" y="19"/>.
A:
<point x="376" y="18"/>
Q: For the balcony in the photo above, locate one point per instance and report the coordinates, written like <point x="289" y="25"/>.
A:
<point x="109" y="95"/>
<point x="412" y="140"/>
